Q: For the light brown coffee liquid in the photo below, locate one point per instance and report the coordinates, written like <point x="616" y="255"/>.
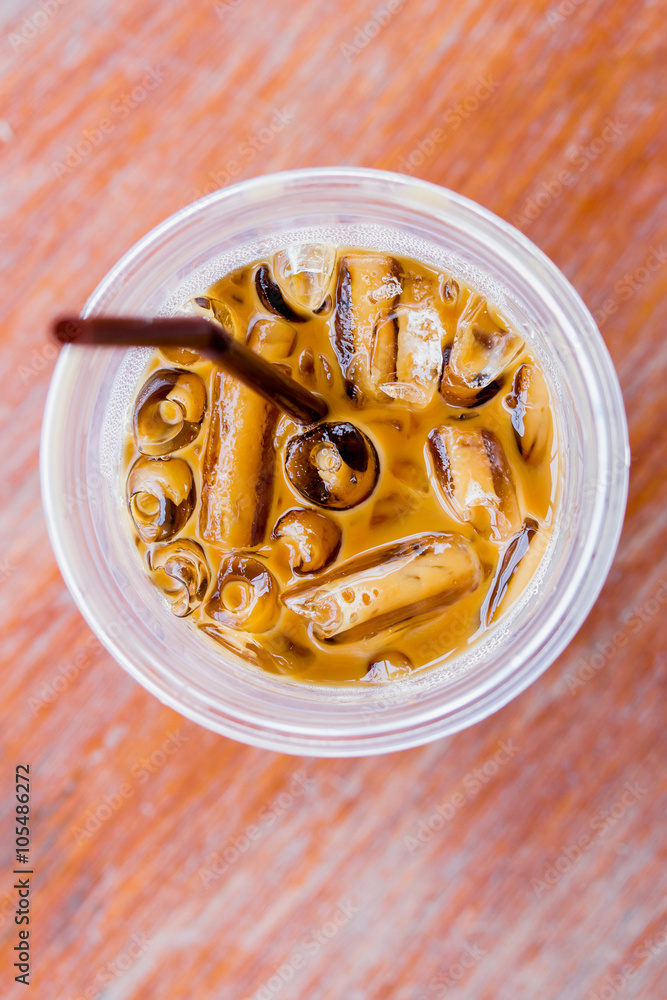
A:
<point x="375" y="573"/>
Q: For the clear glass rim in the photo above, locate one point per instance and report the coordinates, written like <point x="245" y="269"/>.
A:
<point x="322" y="729"/>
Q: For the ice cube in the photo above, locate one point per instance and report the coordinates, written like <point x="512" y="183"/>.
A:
<point x="213" y="309"/>
<point x="483" y="344"/>
<point x="273" y="339"/>
<point x="239" y="461"/>
<point x="288" y="651"/>
<point x="277" y="654"/>
<point x="419" y="337"/>
<point x="216" y="310"/>
<point x="514" y="553"/>
<point x="388" y="665"/>
<point x="528" y="403"/>
<point x="387" y="586"/>
<point x="304" y="272"/>
<point x="474" y="479"/>
<point x="161" y="497"/>
<point x="333" y="465"/>
<point x="182" y="573"/>
<point x="306" y="366"/>
<point x="450" y="290"/>
<point x="271" y="296"/>
<point x="313" y="539"/>
<point x="197" y="306"/>
<point x="315" y="370"/>
<point x="246" y="595"/>
<point x="364" y="327"/>
<point x="458" y="393"/>
<point x="168" y="411"/>
<point x="243" y="646"/>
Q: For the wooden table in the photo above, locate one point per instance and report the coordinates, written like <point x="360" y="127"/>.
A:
<point x="170" y="862"/>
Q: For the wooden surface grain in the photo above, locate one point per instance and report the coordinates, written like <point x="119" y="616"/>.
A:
<point x="523" y="858"/>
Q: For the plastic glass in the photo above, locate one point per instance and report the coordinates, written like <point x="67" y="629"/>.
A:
<point x="87" y="412"/>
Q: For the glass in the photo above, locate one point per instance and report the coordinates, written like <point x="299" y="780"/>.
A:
<point x="88" y="406"/>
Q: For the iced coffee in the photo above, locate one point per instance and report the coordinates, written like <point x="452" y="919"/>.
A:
<point x="391" y="534"/>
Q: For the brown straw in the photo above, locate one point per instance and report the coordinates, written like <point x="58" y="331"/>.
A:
<point x="206" y="338"/>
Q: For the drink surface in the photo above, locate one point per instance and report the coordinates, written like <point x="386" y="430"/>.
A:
<point x="371" y="545"/>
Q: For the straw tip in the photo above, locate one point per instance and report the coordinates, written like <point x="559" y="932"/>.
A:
<point x="67" y="329"/>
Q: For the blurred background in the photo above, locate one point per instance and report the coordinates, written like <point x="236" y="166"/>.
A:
<point x="524" y="857"/>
